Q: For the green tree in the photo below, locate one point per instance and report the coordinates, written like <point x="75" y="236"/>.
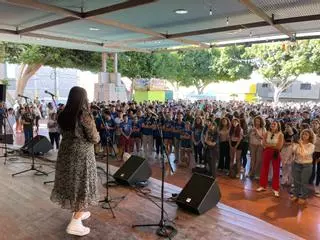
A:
<point x="232" y="64"/>
<point x="196" y="68"/>
<point x="32" y="57"/>
<point x="136" y="64"/>
<point x="314" y="55"/>
<point x="280" y="64"/>
<point x="167" y="66"/>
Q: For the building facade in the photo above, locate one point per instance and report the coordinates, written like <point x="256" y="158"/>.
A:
<point x="298" y="91"/>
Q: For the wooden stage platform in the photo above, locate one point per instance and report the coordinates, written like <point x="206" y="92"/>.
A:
<point x="27" y="213"/>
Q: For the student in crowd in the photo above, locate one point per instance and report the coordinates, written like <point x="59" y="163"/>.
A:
<point x="286" y="154"/>
<point x="167" y="130"/>
<point x="178" y="129"/>
<point x="136" y="136"/>
<point x="272" y="142"/>
<point x="224" y="147"/>
<point x="256" y="148"/>
<point x="125" y="140"/>
<point x="186" y="146"/>
<point x="302" y="168"/>
<point x="236" y="136"/>
<point x="244" y="143"/>
<point x="53" y="128"/>
<point x="196" y="138"/>
<point x="211" y="148"/>
<point x="27" y="120"/>
<point x="147" y="133"/>
<point x="316" y="158"/>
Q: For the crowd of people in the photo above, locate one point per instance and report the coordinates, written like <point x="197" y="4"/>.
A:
<point x="220" y="136"/>
<point x="235" y="138"/>
<point x="213" y="135"/>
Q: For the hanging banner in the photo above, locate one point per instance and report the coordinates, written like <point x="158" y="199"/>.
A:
<point x="141" y="84"/>
<point x="157" y="84"/>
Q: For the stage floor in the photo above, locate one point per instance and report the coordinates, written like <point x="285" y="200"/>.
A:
<point x="27" y="213"/>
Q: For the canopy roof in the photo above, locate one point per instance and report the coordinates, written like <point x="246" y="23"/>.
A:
<point x="151" y="25"/>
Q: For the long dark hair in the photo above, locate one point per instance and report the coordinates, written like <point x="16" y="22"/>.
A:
<point x="77" y="102"/>
<point x="235" y="131"/>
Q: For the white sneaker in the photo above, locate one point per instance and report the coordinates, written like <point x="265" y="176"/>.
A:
<point x="260" y="189"/>
<point x="75" y="227"/>
<point x="85" y="215"/>
<point x="276" y="193"/>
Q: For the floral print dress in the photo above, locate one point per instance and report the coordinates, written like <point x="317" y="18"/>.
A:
<point x="76" y="173"/>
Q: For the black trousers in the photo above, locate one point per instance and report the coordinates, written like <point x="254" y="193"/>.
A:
<point x="315" y="169"/>
<point x="210" y="156"/>
<point x="158" y="144"/>
<point x="198" y="152"/>
<point x="54" y="138"/>
<point x="224" y="155"/>
<point x="244" y="148"/>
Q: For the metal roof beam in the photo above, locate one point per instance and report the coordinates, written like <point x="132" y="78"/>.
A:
<point x="43" y="7"/>
<point x="117" y="7"/>
<point x="217" y="30"/>
<point x="47" y="24"/>
<point x="260" y="13"/>
<point x="297" y="19"/>
<point x="72" y="40"/>
<point x="90" y="16"/>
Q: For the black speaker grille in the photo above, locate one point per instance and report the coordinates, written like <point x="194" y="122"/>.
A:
<point x="135" y="169"/>
<point x="196" y="189"/>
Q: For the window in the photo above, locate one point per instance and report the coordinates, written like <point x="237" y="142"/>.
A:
<point x="305" y="86"/>
<point x="265" y="85"/>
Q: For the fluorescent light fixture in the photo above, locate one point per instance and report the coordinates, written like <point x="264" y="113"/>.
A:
<point x="94" y="29"/>
<point x="181" y="11"/>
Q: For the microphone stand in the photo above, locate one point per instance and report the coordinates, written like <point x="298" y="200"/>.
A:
<point x="5" y="155"/>
<point x="32" y="168"/>
<point x="164" y="229"/>
<point x="55" y="104"/>
<point x="107" y="200"/>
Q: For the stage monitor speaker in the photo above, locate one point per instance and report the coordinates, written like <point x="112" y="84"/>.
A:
<point x="136" y="169"/>
<point x="40" y="143"/>
<point x="6" y="139"/>
<point x="3" y="92"/>
<point x="200" y="194"/>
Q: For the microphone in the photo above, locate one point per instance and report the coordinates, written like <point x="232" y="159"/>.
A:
<point x="95" y="107"/>
<point x="19" y="95"/>
<point x="52" y="95"/>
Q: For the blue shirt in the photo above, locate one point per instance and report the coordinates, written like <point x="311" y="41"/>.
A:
<point x="168" y="124"/>
<point x="126" y="128"/>
<point x="137" y="128"/>
<point x="179" y="127"/>
<point x="197" y="132"/>
<point x="148" y="121"/>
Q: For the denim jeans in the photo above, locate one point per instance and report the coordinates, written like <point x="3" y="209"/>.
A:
<point x="301" y="176"/>
<point x="28" y="132"/>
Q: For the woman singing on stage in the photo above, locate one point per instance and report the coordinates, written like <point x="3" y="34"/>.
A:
<point x="75" y="178"/>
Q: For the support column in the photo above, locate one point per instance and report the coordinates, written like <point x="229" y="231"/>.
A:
<point x="104" y="59"/>
<point x="115" y="63"/>
<point x="104" y="64"/>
